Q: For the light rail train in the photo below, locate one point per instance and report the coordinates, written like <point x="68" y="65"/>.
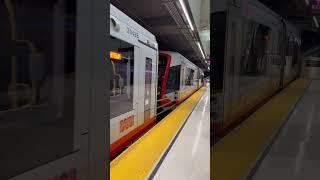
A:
<point x="178" y="78"/>
<point x="257" y="54"/>
<point x="145" y="82"/>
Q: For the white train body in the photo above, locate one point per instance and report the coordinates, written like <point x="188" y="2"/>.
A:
<point x="188" y="77"/>
<point x="133" y="83"/>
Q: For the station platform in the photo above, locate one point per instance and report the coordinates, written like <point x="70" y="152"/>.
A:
<point x="189" y="158"/>
<point x="295" y="154"/>
<point x="278" y="141"/>
<point x="175" y="146"/>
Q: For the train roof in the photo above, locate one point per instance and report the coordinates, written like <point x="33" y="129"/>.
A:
<point x="114" y="11"/>
<point x="260" y="13"/>
<point x="172" y="53"/>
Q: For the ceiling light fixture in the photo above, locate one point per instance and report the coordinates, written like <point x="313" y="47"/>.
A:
<point x="186" y="14"/>
<point x="315" y="21"/>
<point x="307" y="2"/>
<point x="204" y="57"/>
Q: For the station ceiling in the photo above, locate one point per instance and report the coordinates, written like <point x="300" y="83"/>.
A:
<point x="301" y="13"/>
<point x="154" y="15"/>
<point x="297" y="12"/>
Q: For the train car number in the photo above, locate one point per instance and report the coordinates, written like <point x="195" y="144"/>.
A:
<point x="126" y="123"/>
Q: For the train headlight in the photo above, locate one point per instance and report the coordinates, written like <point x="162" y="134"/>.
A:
<point x="114" y="24"/>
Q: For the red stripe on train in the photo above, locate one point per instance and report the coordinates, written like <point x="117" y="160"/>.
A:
<point x="122" y="143"/>
<point x="126" y="140"/>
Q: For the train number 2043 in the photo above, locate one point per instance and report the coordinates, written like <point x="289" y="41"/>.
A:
<point x="126" y="123"/>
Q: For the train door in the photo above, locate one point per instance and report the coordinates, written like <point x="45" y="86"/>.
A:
<point x="123" y="87"/>
<point x="197" y="78"/>
<point x="232" y="64"/>
<point x="147" y="88"/>
<point x="183" y="79"/>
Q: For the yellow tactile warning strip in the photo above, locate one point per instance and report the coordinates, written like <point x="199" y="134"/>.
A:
<point x="235" y="155"/>
<point x="138" y="161"/>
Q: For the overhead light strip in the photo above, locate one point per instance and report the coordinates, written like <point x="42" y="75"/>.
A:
<point x="201" y="50"/>
<point x="315" y="21"/>
<point x="307" y="2"/>
<point x="186" y="14"/>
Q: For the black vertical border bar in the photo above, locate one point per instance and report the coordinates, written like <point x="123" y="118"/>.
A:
<point x="106" y="91"/>
<point x="211" y="77"/>
<point x="100" y="115"/>
<point x="218" y="33"/>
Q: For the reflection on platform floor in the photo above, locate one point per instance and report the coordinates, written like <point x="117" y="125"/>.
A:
<point x="295" y="154"/>
<point x="189" y="157"/>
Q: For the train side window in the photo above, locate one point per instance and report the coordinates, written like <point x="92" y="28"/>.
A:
<point x="37" y="83"/>
<point x="189" y="78"/>
<point x="186" y="76"/>
<point x="254" y="54"/>
<point x="121" y="82"/>
<point x="173" y="83"/>
<point x="246" y="48"/>
<point x="295" y="54"/>
<point x="147" y="90"/>
<point x="289" y="47"/>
